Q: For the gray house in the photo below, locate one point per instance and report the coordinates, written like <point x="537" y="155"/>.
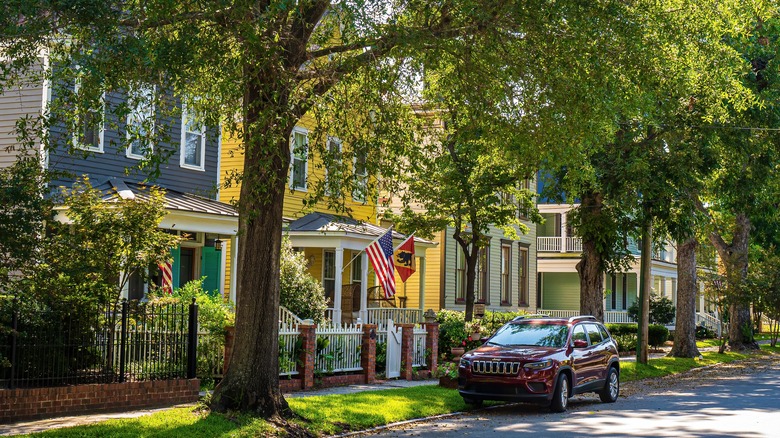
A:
<point x="109" y="153"/>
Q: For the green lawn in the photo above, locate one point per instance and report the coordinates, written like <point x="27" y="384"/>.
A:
<point x="339" y="413"/>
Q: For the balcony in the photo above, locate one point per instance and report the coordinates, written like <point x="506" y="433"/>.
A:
<point x="558" y="244"/>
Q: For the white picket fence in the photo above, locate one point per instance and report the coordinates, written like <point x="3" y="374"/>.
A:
<point x="288" y="362"/>
<point x="612" y="316"/>
<point x="338" y="348"/>
<point x="419" y="354"/>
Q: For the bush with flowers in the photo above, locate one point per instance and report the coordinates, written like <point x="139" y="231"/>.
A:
<point x="455" y="332"/>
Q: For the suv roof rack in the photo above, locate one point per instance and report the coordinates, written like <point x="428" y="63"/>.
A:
<point x="583" y="318"/>
<point x="532" y="316"/>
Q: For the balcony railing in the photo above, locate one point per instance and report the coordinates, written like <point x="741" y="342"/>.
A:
<point x="559" y="244"/>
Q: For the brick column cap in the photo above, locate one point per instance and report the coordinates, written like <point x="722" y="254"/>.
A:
<point x="307" y="326"/>
<point x="369" y="326"/>
<point x="405" y="325"/>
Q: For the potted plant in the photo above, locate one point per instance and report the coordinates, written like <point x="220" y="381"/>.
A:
<point x="447" y="373"/>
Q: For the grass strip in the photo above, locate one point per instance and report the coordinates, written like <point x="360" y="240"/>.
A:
<point x="664" y="366"/>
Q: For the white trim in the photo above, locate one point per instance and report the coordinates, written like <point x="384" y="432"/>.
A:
<point x="339" y="143"/>
<point x="219" y="160"/>
<point x="305" y="132"/>
<point x="151" y="114"/>
<point x="45" y="103"/>
<point x="183" y="143"/>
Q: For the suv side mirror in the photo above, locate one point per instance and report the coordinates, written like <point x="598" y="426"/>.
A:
<point x="579" y="343"/>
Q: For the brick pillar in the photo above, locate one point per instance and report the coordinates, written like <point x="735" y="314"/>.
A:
<point x="407" y="350"/>
<point x="230" y="335"/>
<point x="368" y="352"/>
<point x="432" y="345"/>
<point x="308" y="335"/>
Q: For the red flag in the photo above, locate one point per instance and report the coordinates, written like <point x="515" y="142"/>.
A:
<point x="404" y="259"/>
<point x="380" y="252"/>
<point x="166" y="272"/>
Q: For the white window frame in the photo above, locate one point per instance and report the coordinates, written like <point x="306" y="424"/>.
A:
<point x="149" y="113"/>
<point x="183" y="144"/>
<point x="78" y="125"/>
<point x="357" y="268"/>
<point x="363" y="180"/>
<point x="325" y="253"/>
<point x="339" y="144"/>
<point x="305" y="133"/>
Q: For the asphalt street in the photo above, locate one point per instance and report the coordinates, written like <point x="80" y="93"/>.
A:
<point x="728" y="401"/>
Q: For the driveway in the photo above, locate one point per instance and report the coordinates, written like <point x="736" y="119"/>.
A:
<point x="725" y="401"/>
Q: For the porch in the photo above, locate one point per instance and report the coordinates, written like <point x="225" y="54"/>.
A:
<point x="334" y="247"/>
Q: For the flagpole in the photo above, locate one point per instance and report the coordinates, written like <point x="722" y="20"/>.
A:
<point x="364" y="249"/>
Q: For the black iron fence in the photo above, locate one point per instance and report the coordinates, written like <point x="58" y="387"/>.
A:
<point x="130" y="341"/>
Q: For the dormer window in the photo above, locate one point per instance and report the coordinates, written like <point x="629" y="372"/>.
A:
<point x="140" y="121"/>
<point x="193" y="140"/>
<point x="299" y="145"/>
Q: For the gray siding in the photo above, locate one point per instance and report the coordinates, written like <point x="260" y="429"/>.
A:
<point x="15" y="104"/>
<point x="114" y="162"/>
<point x="494" y="270"/>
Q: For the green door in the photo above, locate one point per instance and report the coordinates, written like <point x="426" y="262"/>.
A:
<point x="211" y="268"/>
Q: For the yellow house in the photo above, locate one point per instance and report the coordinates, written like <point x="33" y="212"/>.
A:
<point x="332" y="243"/>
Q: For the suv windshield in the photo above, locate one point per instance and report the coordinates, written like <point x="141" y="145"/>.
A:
<point x="540" y="335"/>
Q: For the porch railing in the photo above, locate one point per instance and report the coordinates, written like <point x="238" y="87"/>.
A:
<point x="610" y="316"/>
<point x="378" y="315"/>
<point x="559" y="244"/>
<point x="709" y="321"/>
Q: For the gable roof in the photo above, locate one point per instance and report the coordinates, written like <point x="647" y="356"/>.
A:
<point x="317" y="222"/>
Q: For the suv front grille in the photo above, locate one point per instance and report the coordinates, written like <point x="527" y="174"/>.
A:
<point x="490" y="367"/>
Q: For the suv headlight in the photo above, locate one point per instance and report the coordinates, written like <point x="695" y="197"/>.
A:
<point x="539" y="365"/>
<point x="465" y="362"/>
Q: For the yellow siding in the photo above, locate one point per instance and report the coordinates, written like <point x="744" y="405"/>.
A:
<point x="233" y="158"/>
<point x="227" y="248"/>
<point x="432" y="276"/>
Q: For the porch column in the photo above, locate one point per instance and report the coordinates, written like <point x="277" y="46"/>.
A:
<point x="364" y="289"/>
<point x="563" y="232"/>
<point x="337" y="285"/>
<point x="233" y="267"/>
<point x="422" y="283"/>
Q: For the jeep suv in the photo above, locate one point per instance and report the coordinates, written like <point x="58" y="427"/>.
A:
<point x="544" y="360"/>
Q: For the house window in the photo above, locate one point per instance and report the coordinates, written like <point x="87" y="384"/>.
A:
<point x="625" y="294"/>
<point x="329" y="275"/>
<point x="193" y="140"/>
<point x="523" y="277"/>
<point x="333" y="171"/>
<point x="361" y="178"/>
<point x="506" y="274"/>
<point x="299" y="166"/>
<point x="482" y="286"/>
<point x="140" y="121"/>
<point x="357" y="268"/>
<point x="613" y="292"/>
<point x="88" y="127"/>
<point x="460" y="276"/>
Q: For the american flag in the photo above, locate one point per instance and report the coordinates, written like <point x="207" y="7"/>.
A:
<point x="167" y="276"/>
<point x="380" y="252"/>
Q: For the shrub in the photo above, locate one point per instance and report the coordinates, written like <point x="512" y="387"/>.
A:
<point x="703" y="332"/>
<point x="661" y="310"/>
<point x="301" y="293"/>
<point x="626" y="335"/>
<point x="455" y="332"/>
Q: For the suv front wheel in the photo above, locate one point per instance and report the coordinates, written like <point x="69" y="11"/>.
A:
<point x="561" y="394"/>
<point x="611" y="387"/>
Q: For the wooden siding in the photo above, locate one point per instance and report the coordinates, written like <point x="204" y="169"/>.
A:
<point x="631" y="291"/>
<point x="114" y="162"/>
<point x="494" y="270"/>
<point x="15" y="104"/>
<point x="561" y="291"/>
<point x="233" y="158"/>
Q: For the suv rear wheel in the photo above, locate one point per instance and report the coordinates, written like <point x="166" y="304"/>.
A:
<point x="561" y="394"/>
<point x="611" y="387"/>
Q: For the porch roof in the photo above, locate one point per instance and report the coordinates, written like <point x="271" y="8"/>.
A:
<point x="114" y="188"/>
<point x="331" y="224"/>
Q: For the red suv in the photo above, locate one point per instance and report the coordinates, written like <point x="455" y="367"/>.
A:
<point x="541" y="359"/>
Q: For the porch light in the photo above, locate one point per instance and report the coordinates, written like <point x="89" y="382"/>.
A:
<point x="217" y="245"/>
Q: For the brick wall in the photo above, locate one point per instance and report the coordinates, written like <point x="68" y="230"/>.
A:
<point x="22" y="404"/>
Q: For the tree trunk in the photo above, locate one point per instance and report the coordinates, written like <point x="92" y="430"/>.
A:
<point x="591" y="281"/>
<point x="472" y="258"/>
<point x="734" y="259"/>
<point x="591" y="266"/>
<point x="685" y="325"/>
<point x="251" y="383"/>
<point x="645" y="284"/>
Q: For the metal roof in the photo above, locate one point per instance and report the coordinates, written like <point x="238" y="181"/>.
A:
<point x="326" y="222"/>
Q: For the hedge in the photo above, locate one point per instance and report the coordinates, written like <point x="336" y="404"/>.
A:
<point x="626" y="335"/>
